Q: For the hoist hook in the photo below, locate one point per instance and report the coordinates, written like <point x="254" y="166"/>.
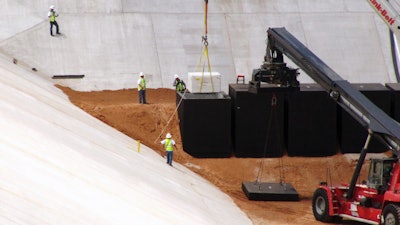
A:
<point x="204" y="40"/>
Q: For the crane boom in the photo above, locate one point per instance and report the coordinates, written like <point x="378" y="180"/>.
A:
<point x="388" y="14"/>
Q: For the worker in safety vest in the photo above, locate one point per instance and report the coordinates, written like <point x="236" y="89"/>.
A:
<point x="142" y="89"/>
<point x="169" y="144"/>
<point x="179" y="84"/>
<point x="52" y="14"/>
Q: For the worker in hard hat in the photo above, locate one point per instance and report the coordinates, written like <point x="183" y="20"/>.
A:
<point x="52" y="14"/>
<point x="169" y="145"/>
<point x="179" y="85"/>
<point x="142" y="88"/>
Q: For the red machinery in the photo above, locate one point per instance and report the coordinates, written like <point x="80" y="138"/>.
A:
<point x="376" y="201"/>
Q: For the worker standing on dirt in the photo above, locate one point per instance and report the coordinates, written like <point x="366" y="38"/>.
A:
<point x="52" y="14"/>
<point x="179" y="84"/>
<point x="142" y="89"/>
<point x="169" y="144"/>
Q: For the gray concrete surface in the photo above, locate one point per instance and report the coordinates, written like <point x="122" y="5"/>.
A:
<point x="111" y="41"/>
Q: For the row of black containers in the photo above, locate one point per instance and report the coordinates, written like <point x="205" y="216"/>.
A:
<point x="278" y="121"/>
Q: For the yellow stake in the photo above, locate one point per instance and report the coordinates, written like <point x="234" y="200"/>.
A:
<point x="138" y="146"/>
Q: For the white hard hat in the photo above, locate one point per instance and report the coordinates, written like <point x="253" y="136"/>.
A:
<point x="52" y="7"/>
<point x="141" y="74"/>
<point x="176" y="76"/>
<point x="168" y="135"/>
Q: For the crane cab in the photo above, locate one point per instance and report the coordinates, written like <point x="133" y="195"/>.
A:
<point x="380" y="173"/>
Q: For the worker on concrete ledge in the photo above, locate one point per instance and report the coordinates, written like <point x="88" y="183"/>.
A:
<point x="52" y="14"/>
<point x="169" y="144"/>
<point x="179" y="84"/>
<point x="142" y="89"/>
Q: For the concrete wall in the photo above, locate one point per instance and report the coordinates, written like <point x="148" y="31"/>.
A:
<point x="112" y="41"/>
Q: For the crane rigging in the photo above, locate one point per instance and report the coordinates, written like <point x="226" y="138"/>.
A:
<point x="204" y="57"/>
<point x="376" y="202"/>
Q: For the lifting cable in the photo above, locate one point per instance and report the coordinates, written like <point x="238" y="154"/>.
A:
<point x="206" y="56"/>
<point x="260" y="171"/>
<point x="204" y="50"/>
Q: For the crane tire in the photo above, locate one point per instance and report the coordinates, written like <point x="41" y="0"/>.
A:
<point x="391" y="215"/>
<point x="320" y="206"/>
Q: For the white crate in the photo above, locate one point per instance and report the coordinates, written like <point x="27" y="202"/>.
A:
<point x="203" y="82"/>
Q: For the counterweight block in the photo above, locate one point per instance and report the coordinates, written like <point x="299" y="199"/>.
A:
<point x="262" y="191"/>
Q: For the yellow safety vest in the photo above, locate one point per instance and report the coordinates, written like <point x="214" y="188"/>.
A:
<point x="179" y="86"/>
<point x="53" y="16"/>
<point x="168" y="145"/>
<point x="143" y="83"/>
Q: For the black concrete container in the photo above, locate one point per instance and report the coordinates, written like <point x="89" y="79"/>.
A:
<point x="311" y="122"/>
<point x="257" y="121"/>
<point x="205" y="124"/>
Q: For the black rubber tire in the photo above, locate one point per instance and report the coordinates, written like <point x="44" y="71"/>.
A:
<point x="320" y="206"/>
<point x="391" y="215"/>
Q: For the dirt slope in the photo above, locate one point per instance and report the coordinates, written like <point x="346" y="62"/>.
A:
<point x="120" y="109"/>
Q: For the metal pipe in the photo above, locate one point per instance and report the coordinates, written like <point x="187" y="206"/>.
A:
<point x="357" y="171"/>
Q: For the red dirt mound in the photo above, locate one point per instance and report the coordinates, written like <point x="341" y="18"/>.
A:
<point x="149" y="123"/>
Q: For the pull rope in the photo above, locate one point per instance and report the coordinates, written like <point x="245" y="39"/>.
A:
<point x="171" y="117"/>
